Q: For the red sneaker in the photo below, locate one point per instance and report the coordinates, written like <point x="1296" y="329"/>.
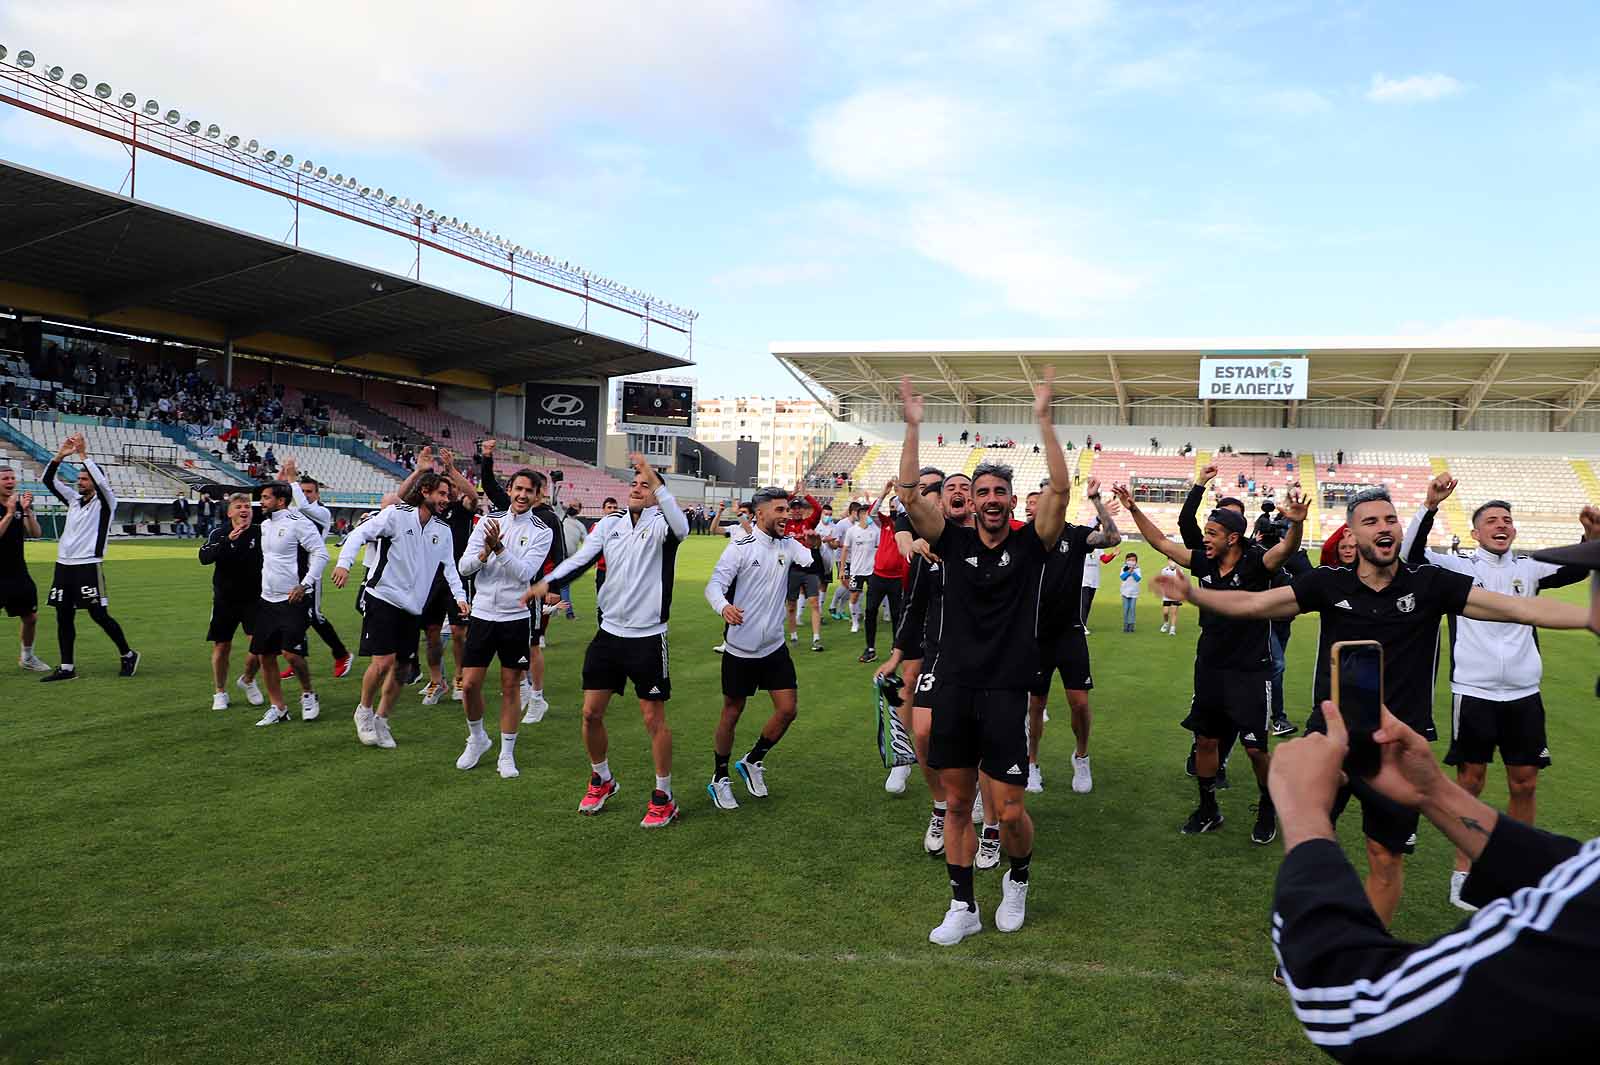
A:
<point x="594" y="800"/>
<point x="661" y="812"/>
<point x="288" y="671"/>
<point x="341" y="666"/>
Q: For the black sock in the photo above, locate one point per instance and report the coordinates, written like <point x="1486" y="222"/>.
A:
<point x="66" y="633"/>
<point x="961" y="884"/>
<point x="721" y="772"/>
<point x="1266" y="798"/>
<point x="1019" y="868"/>
<point x="1208" y="793"/>
<point x="759" y="751"/>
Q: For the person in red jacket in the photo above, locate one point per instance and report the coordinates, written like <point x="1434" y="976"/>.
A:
<point x="804" y="584"/>
<point x="889" y="572"/>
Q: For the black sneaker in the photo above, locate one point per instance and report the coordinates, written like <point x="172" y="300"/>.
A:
<point x="1222" y="778"/>
<point x="1202" y="820"/>
<point x="1266" y="827"/>
<point x="816" y="645"/>
<point x="1188" y="766"/>
<point x="1277" y="976"/>
<point x="130" y="664"/>
<point x="1283" y="727"/>
<point x="59" y="674"/>
<point x="869" y="655"/>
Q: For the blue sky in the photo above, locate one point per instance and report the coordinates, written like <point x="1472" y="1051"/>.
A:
<point x="832" y="171"/>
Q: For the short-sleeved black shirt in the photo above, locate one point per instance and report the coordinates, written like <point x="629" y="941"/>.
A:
<point x="1404" y="618"/>
<point x="459" y="518"/>
<point x="1061" y="594"/>
<point x="12" y="566"/>
<point x="1235" y="644"/>
<point x="991" y="607"/>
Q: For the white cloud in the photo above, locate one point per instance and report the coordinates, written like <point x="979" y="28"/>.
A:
<point x="891" y="134"/>
<point x="1296" y="102"/>
<point x="1031" y="256"/>
<point x="1416" y="89"/>
<point x="472" y="81"/>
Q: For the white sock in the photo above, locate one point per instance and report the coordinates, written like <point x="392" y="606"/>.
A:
<point x="602" y="770"/>
<point x="664" y="785"/>
<point x="538" y="693"/>
<point x="67" y="666"/>
<point x="508" y="746"/>
<point x="475" y="729"/>
<point x="27" y="650"/>
<point x="363" y="709"/>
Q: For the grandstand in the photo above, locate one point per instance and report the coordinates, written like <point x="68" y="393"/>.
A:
<point x="143" y="465"/>
<point x="1511" y="420"/>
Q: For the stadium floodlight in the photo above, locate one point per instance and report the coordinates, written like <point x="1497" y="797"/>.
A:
<point x="338" y="179"/>
<point x="366" y="190"/>
<point x="307" y="167"/>
<point x="79" y="82"/>
<point x="55" y="73"/>
<point x="379" y="193"/>
<point x="128" y="100"/>
<point x="173" y="118"/>
<point x="286" y="160"/>
<point x="431" y="216"/>
<point x="25" y="59"/>
<point x="233" y="141"/>
<point x="193" y="127"/>
<point x="393" y="201"/>
<point x="270" y="156"/>
<point x="151" y="107"/>
<point x="213" y="131"/>
<point x="322" y="173"/>
<point x="3" y="52"/>
<point x="405" y="203"/>
<point x="352" y="184"/>
<point x="252" y="146"/>
<point x="103" y="91"/>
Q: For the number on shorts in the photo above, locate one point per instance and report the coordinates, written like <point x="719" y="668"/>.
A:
<point x="925" y="682"/>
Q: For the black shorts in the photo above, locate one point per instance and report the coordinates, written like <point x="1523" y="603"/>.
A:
<point x="1227" y="702"/>
<point x="227" y="617"/>
<point x="981" y="728"/>
<point x="539" y="624"/>
<point x="743" y="677"/>
<point x="1068" y="655"/>
<point x="388" y="630"/>
<point x="280" y="628"/>
<point x="508" y="639"/>
<point x="441" y="606"/>
<point x="1516" y="727"/>
<point x="803" y="581"/>
<point x="925" y="690"/>
<point x="612" y="661"/>
<point x="78" y="586"/>
<point x="858" y="584"/>
<point x="19" y="596"/>
<point x="1392" y="826"/>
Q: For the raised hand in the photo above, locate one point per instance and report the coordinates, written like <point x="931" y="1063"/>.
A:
<point x="1092" y="489"/>
<point x="1590" y="519"/>
<point x="1439" y="490"/>
<point x="488" y="448"/>
<point x="289" y="469"/>
<point x="1124" y="497"/>
<point x="1175" y="586"/>
<point x="425" y="456"/>
<point x="911" y="404"/>
<point x="27" y="501"/>
<point x="1044" y="393"/>
<point x="448" y="457"/>
<point x="1295" y="506"/>
<point x="642" y="467"/>
<point x="1207" y="475"/>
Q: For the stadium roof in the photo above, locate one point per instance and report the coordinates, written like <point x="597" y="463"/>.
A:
<point x="81" y="254"/>
<point x="1560" y="373"/>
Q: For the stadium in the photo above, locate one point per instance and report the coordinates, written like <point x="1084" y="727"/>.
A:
<point x="188" y="887"/>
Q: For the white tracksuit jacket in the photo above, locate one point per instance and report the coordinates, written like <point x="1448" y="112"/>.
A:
<point x="753" y="575"/>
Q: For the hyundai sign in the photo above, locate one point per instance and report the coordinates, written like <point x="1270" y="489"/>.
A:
<point x="1253" y="377"/>
<point x="564" y="418"/>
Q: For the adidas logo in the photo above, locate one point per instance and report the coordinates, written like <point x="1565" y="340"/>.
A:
<point x="1015" y="768"/>
<point x="1411" y="840"/>
<point x="655" y="689"/>
<point x="973" y="561"/>
<point x="1344" y="604"/>
<point x="1251" y="736"/>
<point x="1545" y="753"/>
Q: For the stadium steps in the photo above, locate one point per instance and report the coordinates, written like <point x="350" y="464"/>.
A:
<point x="974" y="460"/>
<point x="1306" y="469"/>
<point x="1454" y="512"/>
<point x="373" y="419"/>
<point x="1085" y="462"/>
<point x="1587" y="478"/>
<point x="1202" y="459"/>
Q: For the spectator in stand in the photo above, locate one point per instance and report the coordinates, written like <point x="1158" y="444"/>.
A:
<point x="964" y="437"/>
<point x="1339" y="456"/>
<point x="941" y="440"/>
<point x="180" y="516"/>
<point x="1155" y="445"/>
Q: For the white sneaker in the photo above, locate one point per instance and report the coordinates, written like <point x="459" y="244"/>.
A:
<point x="1013" y="908"/>
<point x="219" y="701"/>
<point x="896" y="784"/>
<point x="310" y="709"/>
<point x="855" y="626"/>
<point x="977" y="809"/>
<point x="508" y="768"/>
<point x="458" y="695"/>
<point x="430" y="695"/>
<point x="366" y="732"/>
<point x="33" y="662"/>
<point x="476" y="748"/>
<point x="794" y="637"/>
<point x="1172" y="632"/>
<point x="754" y="776"/>
<point x="721" y="648"/>
<point x="933" y="839"/>
<point x="252" y="691"/>
<point x="1035" y="780"/>
<point x="1082" y="782"/>
<point x="380" y="728"/>
<point x="1458" y="879"/>
<point x="1086" y="631"/>
<point x="536" y="706"/>
<point x="988" y="852"/>
<point x="1163" y="627"/>
<point x="273" y="715"/>
<point x="959" y="923"/>
<point x="721" y="792"/>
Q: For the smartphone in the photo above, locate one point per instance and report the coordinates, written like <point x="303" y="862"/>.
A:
<point x="1358" y="693"/>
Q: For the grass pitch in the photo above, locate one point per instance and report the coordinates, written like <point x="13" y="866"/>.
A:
<point x="182" y="887"/>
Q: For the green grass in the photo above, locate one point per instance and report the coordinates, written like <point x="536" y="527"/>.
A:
<point x="181" y="886"/>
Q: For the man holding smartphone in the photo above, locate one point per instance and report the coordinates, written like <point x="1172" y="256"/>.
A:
<point x="1399" y="605"/>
